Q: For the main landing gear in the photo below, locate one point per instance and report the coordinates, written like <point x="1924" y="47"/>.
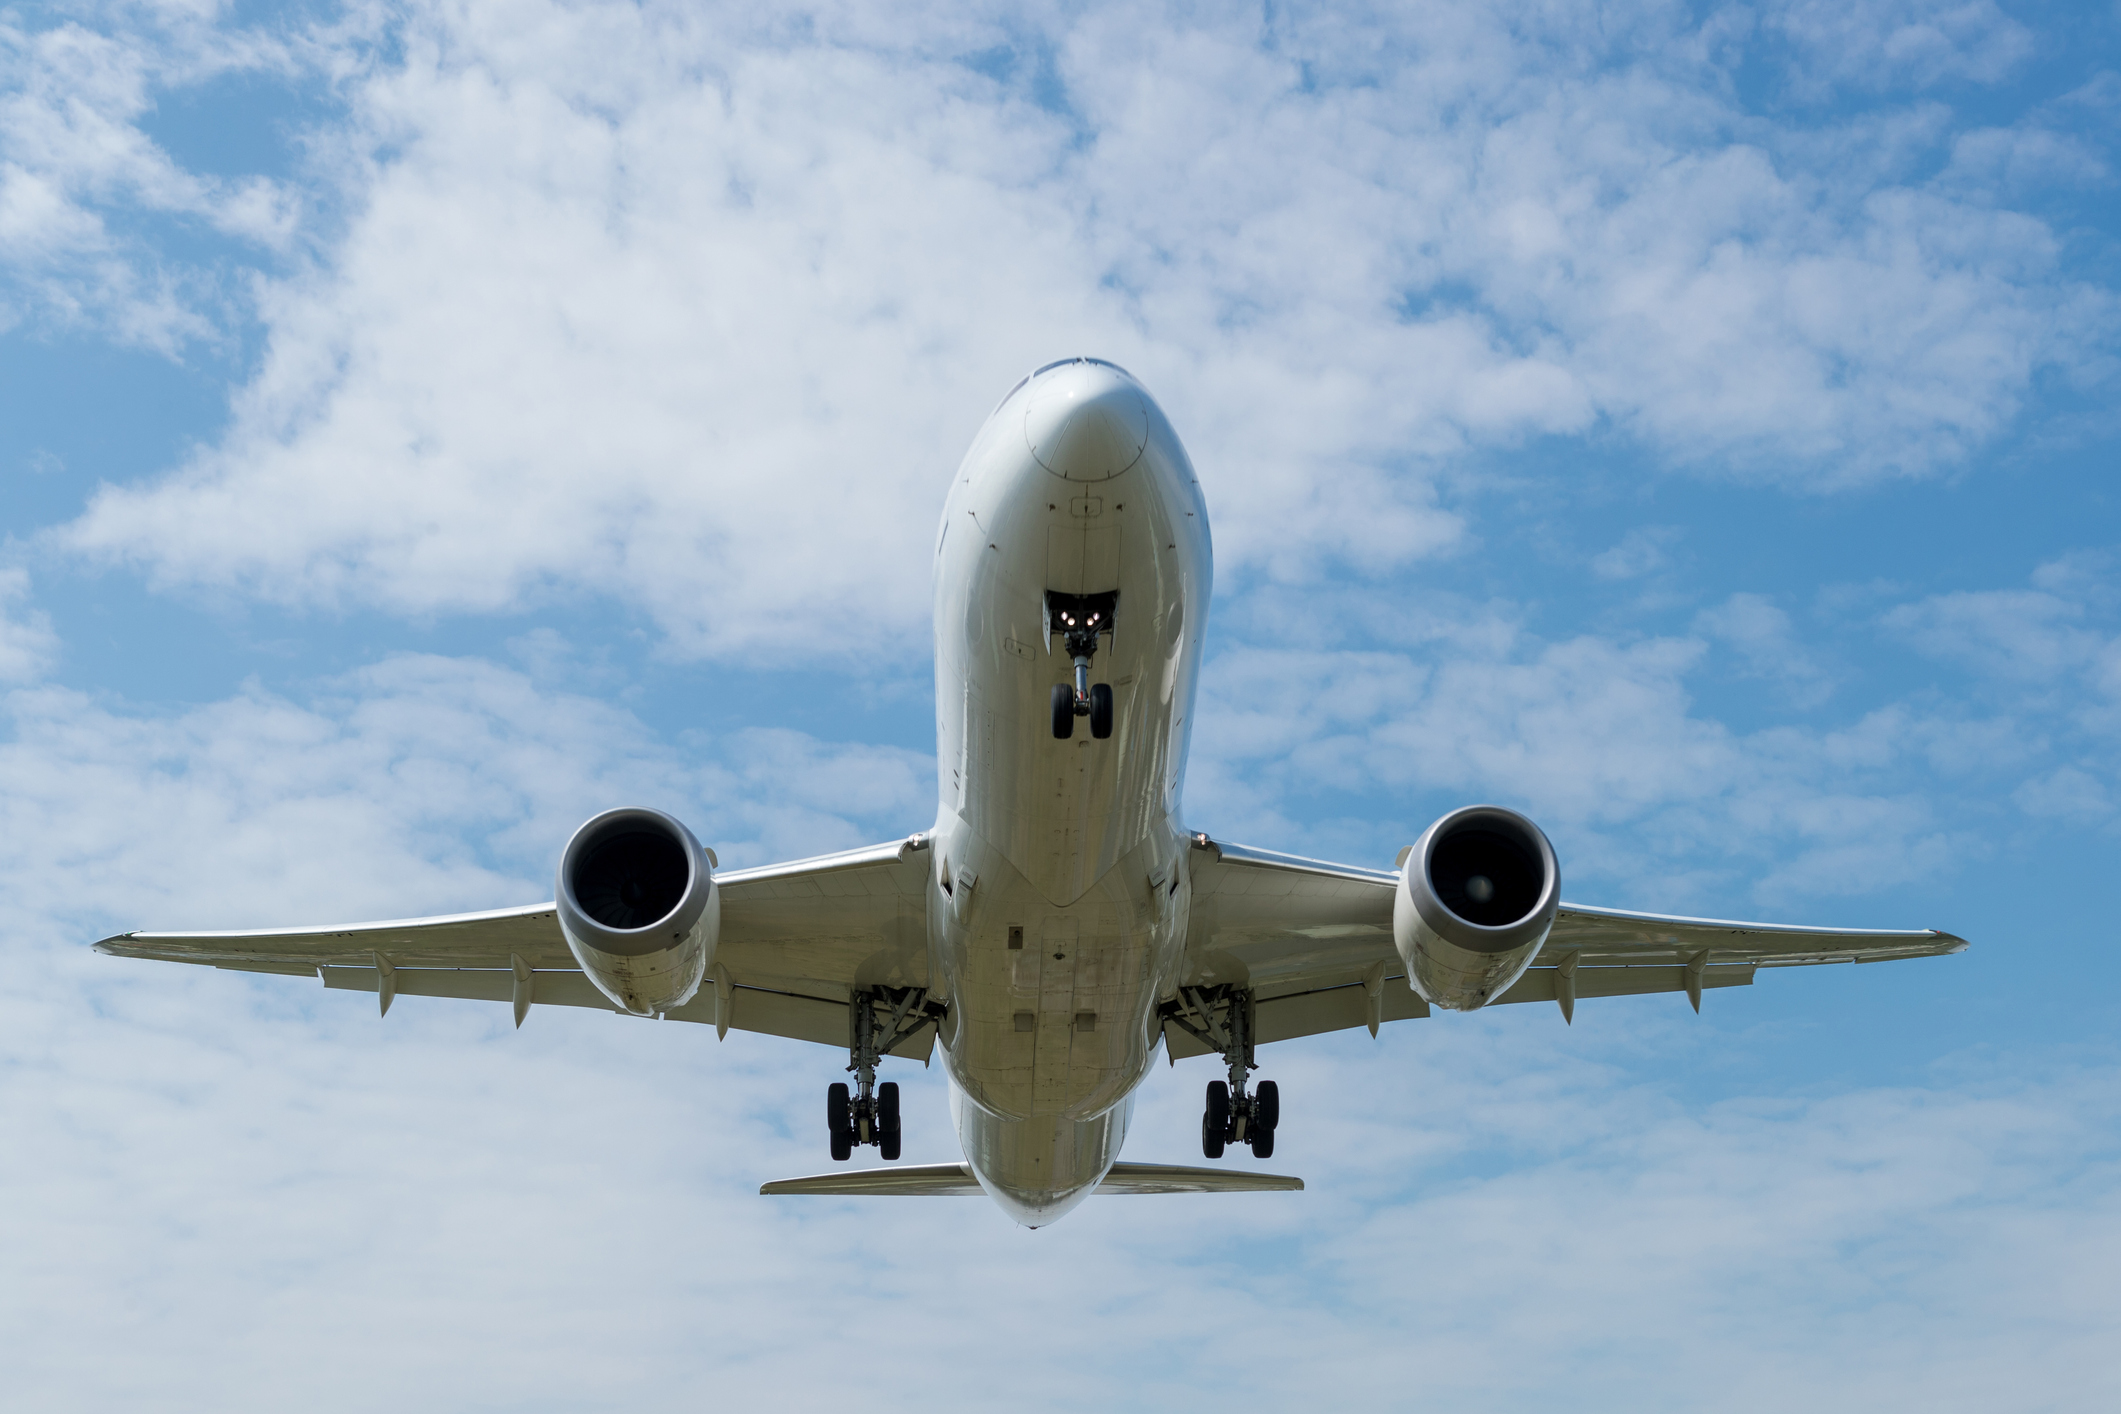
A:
<point x="1081" y="619"/>
<point x="878" y="1018"/>
<point x="1222" y="1018"/>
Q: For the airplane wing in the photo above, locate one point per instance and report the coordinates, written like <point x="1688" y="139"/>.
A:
<point x="796" y="940"/>
<point x="1313" y="942"/>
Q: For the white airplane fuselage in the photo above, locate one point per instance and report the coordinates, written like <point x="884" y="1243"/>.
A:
<point x="1058" y="901"/>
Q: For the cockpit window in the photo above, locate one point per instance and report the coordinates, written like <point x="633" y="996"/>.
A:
<point x="1048" y="368"/>
<point x="1064" y="362"/>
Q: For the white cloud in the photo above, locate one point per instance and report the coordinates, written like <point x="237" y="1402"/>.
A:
<point x="1348" y="750"/>
<point x="1641" y="551"/>
<point x="2027" y="636"/>
<point x="1597" y="740"/>
<point x="665" y="306"/>
<point x="1890" y="43"/>
<point x="2023" y="160"/>
<point x="27" y="643"/>
<point x="77" y="170"/>
<point x="417" y="785"/>
<point x="1763" y="637"/>
<point x="2068" y="792"/>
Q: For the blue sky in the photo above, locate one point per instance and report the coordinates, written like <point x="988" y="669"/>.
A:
<point x="424" y="426"/>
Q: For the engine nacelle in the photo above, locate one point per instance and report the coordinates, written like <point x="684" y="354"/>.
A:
<point x="1476" y="899"/>
<point x="639" y="908"/>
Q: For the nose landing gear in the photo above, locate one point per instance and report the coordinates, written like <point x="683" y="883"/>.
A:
<point x="1081" y="619"/>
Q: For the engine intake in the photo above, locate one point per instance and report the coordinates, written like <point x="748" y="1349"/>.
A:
<point x="638" y="906"/>
<point x="1477" y="897"/>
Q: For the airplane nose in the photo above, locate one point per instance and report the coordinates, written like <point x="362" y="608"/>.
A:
<point x="1085" y="422"/>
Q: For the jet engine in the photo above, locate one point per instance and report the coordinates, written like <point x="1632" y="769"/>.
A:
<point x="1476" y="898"/>
<point x="638" y="906"/>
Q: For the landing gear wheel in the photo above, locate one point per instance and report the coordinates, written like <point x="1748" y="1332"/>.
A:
<point x="1101" y="711"/>
<point x="1262" y="1143"/>
<point x="837" y="1119"/>
<point x="1266" y="1106"/>
<point x="887" y="1131"/>
<point x="1215" y="1124"/>
<point x="1063" y="711"/>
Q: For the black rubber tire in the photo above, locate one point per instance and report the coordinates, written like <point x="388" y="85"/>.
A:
<point x="1211" y="1136"/>
<point x="1266" y="1106"/>
<point x="839" y="1121"/>
<point x="887" y="1140"/>
<point x="1219" y="1106"/>
<point x="1063" y="711"/>
<point x="1262" y="1143"/>
<point x="887" y="1105"/>
<point x="1101" y="710"/>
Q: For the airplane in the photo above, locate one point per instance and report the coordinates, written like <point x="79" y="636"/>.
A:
<point x="1058" y="924"/>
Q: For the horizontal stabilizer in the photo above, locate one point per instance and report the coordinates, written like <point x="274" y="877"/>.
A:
<point x="1176" y="1178"/>
<point x="956" y="1181"/>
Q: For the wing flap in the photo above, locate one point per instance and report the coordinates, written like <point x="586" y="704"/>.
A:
<point x="279" y="969"/>
<point x="753" y="1009"/>
<point x="1345" y="1008"/>
<point x="1310" y="1014"/>
<point x="470" y="984"/>
<point x="1539" y="983"/>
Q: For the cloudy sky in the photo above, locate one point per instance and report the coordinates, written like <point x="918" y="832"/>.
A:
<point x="422" y="426"/>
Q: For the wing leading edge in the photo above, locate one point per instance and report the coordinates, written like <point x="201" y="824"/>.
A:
<point x="1312" y="942"/>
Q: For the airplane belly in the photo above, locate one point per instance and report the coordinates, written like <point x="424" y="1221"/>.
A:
<point x="1054" y="1009"/>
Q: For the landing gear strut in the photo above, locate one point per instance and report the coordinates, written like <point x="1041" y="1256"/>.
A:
<point x="878" y="1018"/>
<point x="1223" y="1019"/>
<point x="1081" y="619"/>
